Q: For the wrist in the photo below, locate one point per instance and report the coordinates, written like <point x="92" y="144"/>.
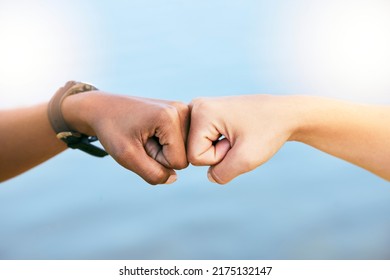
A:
<point x="301" y="116"/>
<point x="317" y="117"/>
<point x="77" y="111"/>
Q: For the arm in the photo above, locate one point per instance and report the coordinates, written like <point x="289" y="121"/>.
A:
<point x="26" y="140"/>
<point x="256" y="126"/>
<point x="146" y="136"/>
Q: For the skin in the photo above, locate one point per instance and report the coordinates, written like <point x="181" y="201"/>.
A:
<point x="255" y="127"/>
<point x="146" y="136"/>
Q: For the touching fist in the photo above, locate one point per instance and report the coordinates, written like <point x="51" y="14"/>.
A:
<point x="144" y="135"/>
<point x="236" y="134"/>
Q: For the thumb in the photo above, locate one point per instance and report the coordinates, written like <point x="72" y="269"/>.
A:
<point x="135" y="158"/>
<point x="238" y="160"/>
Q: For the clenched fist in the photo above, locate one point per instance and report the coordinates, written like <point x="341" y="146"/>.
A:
<point x="236" y="134"/>
<point x="144" y="135"/>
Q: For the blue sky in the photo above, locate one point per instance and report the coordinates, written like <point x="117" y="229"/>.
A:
<point x="302" y="204"/>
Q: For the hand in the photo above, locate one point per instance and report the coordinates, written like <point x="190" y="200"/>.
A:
<point x="254" y="128"/>
<point x="144" y="135"/>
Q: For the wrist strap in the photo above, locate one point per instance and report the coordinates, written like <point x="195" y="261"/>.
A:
<point x="73" y="139"/>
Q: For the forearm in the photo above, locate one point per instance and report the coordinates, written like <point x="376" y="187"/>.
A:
<point x="356" y="133"/>
<point x="26" y="140"/>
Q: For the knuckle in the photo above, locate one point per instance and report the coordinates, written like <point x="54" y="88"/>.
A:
<point x="199" y="102"/>
<point x="181" y="164"/>
<point x="168" y="113"/>
<point x="152" y="181"/>
<point x="218" y="179"/>
<point x="179" y="160"/>
<point x="196" y="162"/>
<point x="202" y="106"/>
<point x="194" y="159"/>
<point x="180" y="106"/>
<point x="155" y="177"/>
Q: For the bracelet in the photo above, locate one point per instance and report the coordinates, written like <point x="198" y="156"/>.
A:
<point x="73" y="139"/>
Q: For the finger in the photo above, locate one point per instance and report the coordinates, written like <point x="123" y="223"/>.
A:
<point x="201" y="149"/>
<point x="238" y="160"/>
<point x="135" y="158"/>
<point x="184" y="116"/>
<point x="208" y="153"/>
<point x="154" y="150"/>
<point x="182" y="109"/>
<point x="169" y="134"/>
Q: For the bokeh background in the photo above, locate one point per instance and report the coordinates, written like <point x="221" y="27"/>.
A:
<point x="303" y="204"/>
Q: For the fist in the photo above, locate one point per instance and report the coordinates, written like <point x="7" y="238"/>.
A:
<point x="236" y="134"/>
<point x="146" y="136"/>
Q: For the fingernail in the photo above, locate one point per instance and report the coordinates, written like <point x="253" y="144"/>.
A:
<point x="171" y="179"/>
<point x="211" y="179"/>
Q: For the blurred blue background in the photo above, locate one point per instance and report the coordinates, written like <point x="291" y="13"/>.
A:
<point x="303" y="204"/>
